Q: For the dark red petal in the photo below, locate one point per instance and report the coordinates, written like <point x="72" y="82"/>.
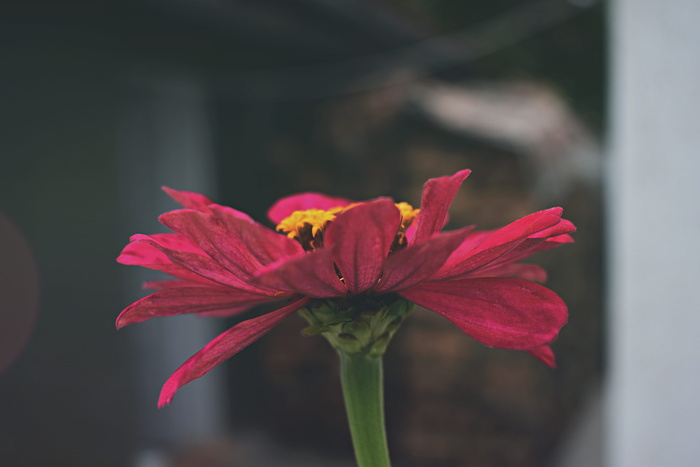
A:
<point x="149" y="256"/>
<point x="310" y="274"/>
<point x="224" y="347"/>
<point x="418" y="262"/>
<point x="458" y="266"/>
<point x="530" y="272"/>
<point x="266" y="245"/>
<point x="212" y="237"/>
<point x="188" y="199"/>
<point x="511" y="243"/>
<point x="181" y="300"/>
<point x="530" y="247"/>
<point x="475" y="239"/>
<point x="411" y="231"/>
<point x="437" y="196"/>
<point x="536" y="225"/>
<point x="209" y="270"/>
<point x="521" y="249"/>
<point x="543" y="354"/>
<point x="173" y="283"/>
<point x="561" y="239"/>
<point x="174" y="241"/>
<point x="226" y="313"/>
<point x="142" y="255"/>
<point x="301" y="202"/>
<point x="361" y="237"/>
<point x="508" y="313"/>
<point x="560" y="229"/>
<point x="472" y="241"/>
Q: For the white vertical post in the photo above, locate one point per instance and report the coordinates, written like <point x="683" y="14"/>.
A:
<point x="166" y="141"/>
<point x="653" y="181"/>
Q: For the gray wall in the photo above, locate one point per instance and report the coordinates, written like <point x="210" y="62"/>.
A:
<point x="654" y="378"/>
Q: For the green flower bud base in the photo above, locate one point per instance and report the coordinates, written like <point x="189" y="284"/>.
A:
<point x="360" y="330"/>
<point x="357" y="326"/>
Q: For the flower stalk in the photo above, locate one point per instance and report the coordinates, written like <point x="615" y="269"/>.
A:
<point x="363" y="390"/>
<point x="360" y="330"/>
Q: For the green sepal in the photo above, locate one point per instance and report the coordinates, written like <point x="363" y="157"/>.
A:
<point x="358" y="326"/>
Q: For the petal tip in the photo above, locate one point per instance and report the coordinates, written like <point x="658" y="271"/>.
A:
<point x="558" y="209"/>
<point x="122" y="259"/>
<point x="164" y="401"/>
<point x="463" y="173"/>
<point x="188" y="199"/>
<point x="167" y="392"/>
<point x="544" y="354"/>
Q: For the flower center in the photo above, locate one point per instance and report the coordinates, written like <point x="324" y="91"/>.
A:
<point x="307" y="226"/>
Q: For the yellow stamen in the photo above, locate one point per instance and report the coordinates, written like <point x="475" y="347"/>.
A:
<point x="307" y="226"/>
<point x="407" y="214"/>
<point x="315" y="219"/>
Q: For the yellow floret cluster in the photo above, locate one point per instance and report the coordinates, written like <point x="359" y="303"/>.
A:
<point x="307" y="226"/>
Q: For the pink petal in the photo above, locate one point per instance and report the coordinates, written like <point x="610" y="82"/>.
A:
<point x="522" y="249"/>
<point x="181" y="300"/>
<point x="173" y="283"/>
<point x="473" y="242"/>
<point x="173" y="241"/>
<point x="201" y="203"/>
<point x="310" y="274"/>
<point x="530" y="272"/>
<point x="561" y="239"/>
<point x="150" y="256"/>
<point x="226" y="313"/>
<point x="536" y="225"/>
<point x="458" y="266"/>
<point x="536" y="243"/>
<point x="141" y="255"/>
<point x="543" y="354"/>
<point x="209" y="270"/>
<point x="230" y="212"/>
<point x="525" y="248"/>
<point x="212" y="236"/>
<point x="417" y="262"/>
<point x="188" y="199"/>
<point x="560" y="229"/>
<point x="301" y="202"/>
<point x="224" y="347"/>
<point x="438" y="194"/>
<point x="411" y="231"/>
<point x="362" y="237"/>
<point x="508" y="313"/>
<point x="511" y="243"/>
<point x="266" y="245"/>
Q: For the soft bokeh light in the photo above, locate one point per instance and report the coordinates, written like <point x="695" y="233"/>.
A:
<point x="19" y="292"/>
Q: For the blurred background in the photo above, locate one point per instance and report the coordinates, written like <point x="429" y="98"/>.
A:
<point x="102" y="103"/>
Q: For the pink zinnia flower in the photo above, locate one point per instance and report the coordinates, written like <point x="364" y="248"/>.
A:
<point x="332" y="248"/>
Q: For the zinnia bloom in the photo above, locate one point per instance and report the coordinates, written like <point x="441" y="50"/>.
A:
<point x="327" y="248"/>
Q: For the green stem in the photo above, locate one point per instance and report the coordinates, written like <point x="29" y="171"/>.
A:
<point x="362" y="380"/>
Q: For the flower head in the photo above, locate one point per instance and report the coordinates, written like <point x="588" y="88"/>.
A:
<point x="327" y="252"/>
